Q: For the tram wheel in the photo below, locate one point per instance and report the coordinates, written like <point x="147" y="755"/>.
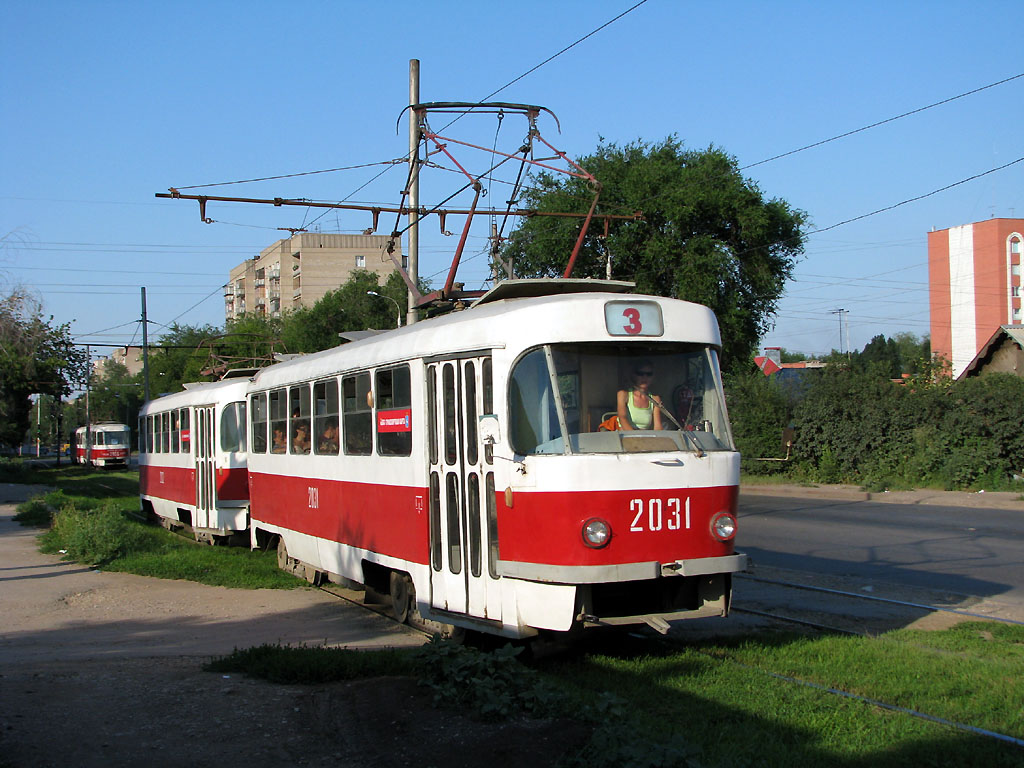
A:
<point x="402" y="595"/>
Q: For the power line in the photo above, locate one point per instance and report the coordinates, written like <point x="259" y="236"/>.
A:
<point x="883" y="122"/>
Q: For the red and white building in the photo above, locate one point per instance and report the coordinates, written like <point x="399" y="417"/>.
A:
<point x="974" y="276"/>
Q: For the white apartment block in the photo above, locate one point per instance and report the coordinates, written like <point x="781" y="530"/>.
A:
<point x="299" y="270"/>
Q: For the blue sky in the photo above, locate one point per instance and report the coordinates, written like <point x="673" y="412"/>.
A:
<point x="107" y="103"/>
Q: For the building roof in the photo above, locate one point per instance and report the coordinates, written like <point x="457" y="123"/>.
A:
<point x="1014" y="332"/>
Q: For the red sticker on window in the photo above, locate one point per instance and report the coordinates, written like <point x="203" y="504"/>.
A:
<point x="394" y="421"/>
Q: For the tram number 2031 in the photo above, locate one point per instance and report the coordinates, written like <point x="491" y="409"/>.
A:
<point x="658" y="514"/>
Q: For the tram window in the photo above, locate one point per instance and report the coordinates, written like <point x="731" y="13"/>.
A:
<point x="149" y="434"/>
<point x="186" y="434"/>
<point x="259" y="423"/>
<point x="435" y="521"/>
<point x="175" y="431"/>
<point x="98" y="438"/>
<point x="357" y="416"/>
<point x="533" y="427"/>
<point x="488" y="393"/>
<point x="432" y="413"/>
<point x="279" y="421"/>
<point x="394" y="412"/>
<point x="232" y="428"/>
<point x="325" y="404"/>
<point x="452" y="508"/>
<point x="448" y="393"/>
<point x="471" y="417"/>
<point x="140" y="434"/>
<point x="165" y="432"/>
<point x="473" y="512"/>
<point x="299" y="425"/>
<point x="492" y="527"/>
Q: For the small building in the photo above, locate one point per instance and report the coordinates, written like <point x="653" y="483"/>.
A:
<point x="299" y="270"/>
<point x="1002" y="353"/>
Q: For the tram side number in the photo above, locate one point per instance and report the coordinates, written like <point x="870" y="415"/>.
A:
<point x="672" y="514"/>
<point x="314" y="497"/>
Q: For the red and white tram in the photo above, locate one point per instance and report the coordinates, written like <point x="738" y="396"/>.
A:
<point x="459" y="465"/>
<point x="192" y="459"/>
<point x="103" y="445"/>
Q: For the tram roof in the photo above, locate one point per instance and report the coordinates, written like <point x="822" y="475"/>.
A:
<point x="494" y="324"/>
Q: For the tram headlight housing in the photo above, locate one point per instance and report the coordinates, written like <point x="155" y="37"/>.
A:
<point x="723" y="526"/>
<point x="596" y="533"/>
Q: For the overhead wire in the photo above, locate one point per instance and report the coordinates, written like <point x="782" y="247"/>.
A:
<point x="882" y="122"/>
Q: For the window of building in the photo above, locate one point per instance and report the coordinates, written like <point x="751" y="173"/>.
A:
<point x="361" y="261"/>
<point x="357" y="417"/>
<point x="394" y="412"/>
<point x="325" y="420"/>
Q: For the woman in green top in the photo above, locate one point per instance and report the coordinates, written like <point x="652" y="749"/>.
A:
<point x="636" y="405"/>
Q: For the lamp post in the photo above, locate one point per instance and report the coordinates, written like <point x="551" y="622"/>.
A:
<point x="398" y="307"/>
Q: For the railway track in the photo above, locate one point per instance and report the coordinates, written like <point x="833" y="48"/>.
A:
<point x="872" y="610"/>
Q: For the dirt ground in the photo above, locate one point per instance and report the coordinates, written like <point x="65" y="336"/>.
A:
<point x="105" y="670"/>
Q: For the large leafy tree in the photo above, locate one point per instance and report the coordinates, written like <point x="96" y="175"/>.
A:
<point x="36" y="357"/>
<point x="707" y="234"/>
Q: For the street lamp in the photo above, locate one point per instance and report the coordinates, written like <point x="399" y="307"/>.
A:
<point x="398" y="307"/>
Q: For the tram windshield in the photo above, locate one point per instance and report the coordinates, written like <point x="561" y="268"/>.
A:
<point x="112" y="438"/>
<point x="604" y="398"/>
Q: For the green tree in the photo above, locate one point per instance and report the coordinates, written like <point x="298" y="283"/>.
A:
<point x="35" y="357"/>
<point x="349" y="308"/>
<point x="707" y="234"/>
<point x="116" y="396"/>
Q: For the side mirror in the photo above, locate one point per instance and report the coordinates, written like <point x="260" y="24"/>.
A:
<point x="489" y="429"/>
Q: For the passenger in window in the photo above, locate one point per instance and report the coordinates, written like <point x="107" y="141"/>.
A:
<point x="280" y="444"/>
<point x="638" y="408"/>
<point x="300" y="443"/>
<point x="328" y="440"/>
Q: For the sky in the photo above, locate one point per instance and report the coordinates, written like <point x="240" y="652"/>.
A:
<point x="105" y="104"/>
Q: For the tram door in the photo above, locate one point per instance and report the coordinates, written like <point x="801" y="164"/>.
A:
<point x="462" y="546"/>
<point x="206" y="491"/>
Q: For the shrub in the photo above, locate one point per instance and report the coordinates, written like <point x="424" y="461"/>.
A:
<point x="92" y="536"/>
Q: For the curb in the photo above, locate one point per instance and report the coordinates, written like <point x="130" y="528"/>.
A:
<point x="1010" y="500"/>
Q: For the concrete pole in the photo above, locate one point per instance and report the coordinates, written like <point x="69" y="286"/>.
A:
<point x="145" y="350"/>
<point x="414" y="187"/>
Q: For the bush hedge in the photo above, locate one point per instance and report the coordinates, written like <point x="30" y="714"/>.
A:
<point x="855" y="425"/>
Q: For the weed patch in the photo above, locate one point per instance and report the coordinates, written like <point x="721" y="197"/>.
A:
<point x="92" y="536"/>
<point x="304" y="665"/>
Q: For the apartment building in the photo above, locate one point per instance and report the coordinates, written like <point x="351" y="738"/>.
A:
<point x="298" y="271"/>
<point x="974" y="274"/>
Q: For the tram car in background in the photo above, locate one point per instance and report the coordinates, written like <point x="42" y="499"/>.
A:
<point x="103" y="445"/>
<point x="192" y="459"/>
<point x="460" y="465"/>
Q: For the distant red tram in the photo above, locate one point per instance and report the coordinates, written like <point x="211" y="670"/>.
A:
<point x="103" y="445"/>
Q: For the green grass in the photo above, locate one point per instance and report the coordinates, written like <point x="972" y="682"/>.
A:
<point x="283" y="664"/>
<point x="97" y="522"/>
<point x="730" y="701"/>
<point x="725" y="703"/>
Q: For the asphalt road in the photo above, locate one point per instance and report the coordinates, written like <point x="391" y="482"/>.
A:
<point x="969" y="552"/>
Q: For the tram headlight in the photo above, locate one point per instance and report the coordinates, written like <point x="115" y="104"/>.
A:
<point x="596" y="533"/>
<point x="723" y="526"/>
